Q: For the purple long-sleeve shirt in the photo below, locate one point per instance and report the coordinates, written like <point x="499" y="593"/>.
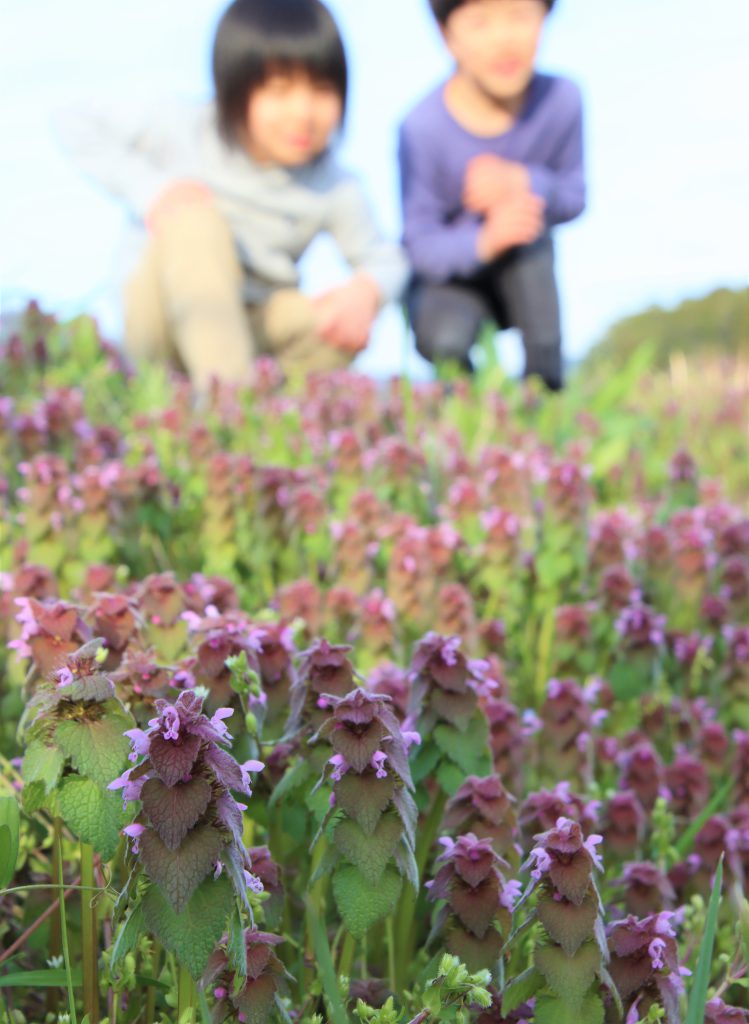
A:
<point x="440" y="235"/>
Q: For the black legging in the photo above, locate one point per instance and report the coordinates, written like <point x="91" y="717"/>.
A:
<point x="517" y="290"/>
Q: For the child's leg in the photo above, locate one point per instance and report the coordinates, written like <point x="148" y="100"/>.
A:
<point x="199" y="281"/>
<point x="146" y="330"/>
<point x="287" y="330"/>
<point x="527" y="290"/>
<point x="447" y="319"/>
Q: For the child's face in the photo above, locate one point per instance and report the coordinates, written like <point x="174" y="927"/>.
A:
<point x="291" y="118"/>
<point x="494" y="43"/>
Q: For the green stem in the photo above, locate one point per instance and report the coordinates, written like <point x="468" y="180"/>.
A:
<point x="347" y="956"/>
<point x="185" y="997"/>
<point x="406" y="918"/>
<point x="151" y="996"/>
<point x="64" y="922"/>
<point x="390" y="941"/>
<point x="89" y="938"/>
<point x="315" y="901"/>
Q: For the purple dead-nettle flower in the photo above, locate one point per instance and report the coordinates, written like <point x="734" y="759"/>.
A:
<point x="184" y="780"/>
<point x="644" y="963"/>
<point x="562" y="852"/>
<point x="479" y="900"/>
<point x="640" y="628"/>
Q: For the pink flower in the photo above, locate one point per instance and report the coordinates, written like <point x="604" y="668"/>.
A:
<point x="170" y="719"/>
<point x="543" y="862"/>
<point x="217" y="723"/>
<point x="510" y="894"/>
<point x="64" y="677"/>
<point x="253" y="882"/>
<point x="340" y="767"/>
<point x="134" y="831"/>
<point x="590" y="844"/>
<point x="245" y="769"/>
<point x="141" y="743"/>
<point x="656" y="950"/>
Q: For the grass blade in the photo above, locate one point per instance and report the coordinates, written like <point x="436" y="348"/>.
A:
<point x="698" y="994"/>
<point x="338" y="1013"/>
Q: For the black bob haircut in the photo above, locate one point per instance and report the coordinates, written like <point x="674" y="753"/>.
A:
<point x="256" y="37"/>
<point x="442" y="9"/>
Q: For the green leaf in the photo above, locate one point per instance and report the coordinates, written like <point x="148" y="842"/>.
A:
<point x="292" y="779"/>
<point x="236" y="948"/>
<point x="10" y="827"/>
<point x="369" y="853"/>
<point x="569" y="976"/>
<point x="554" y="1010"/>
<point x="192" y="935"/>
<point x="180" y="872"/>
<point x="450" y="777"/>
<point x="521" y="989"/>
<point x="698" y="994"/>
<point x="685" y="842"/>
<point x="325" y="965"/>
<point x="98" y="749"/>
<point x="127" y="937"/>
<point x="93" y="814"/>
<point x="42" y="764"/>
<point x="469" y="749"/>
<point x="360" y="904"/>
<point x="55" y="977"/>
<point x="567" y="924"/>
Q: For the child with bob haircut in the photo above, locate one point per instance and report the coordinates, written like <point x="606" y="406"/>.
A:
<point x="233" y="192"/>
<point x="490" y="162"/>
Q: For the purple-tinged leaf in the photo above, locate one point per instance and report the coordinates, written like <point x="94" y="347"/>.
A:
<point x="475" y="907"/>
<point x="225" y="768"/>
<point x="174" y="810"/>
<point x="179" y="872"/>
<point x="364" y="798"/>
<point x="172" y="760"/>
<point x="369" y="852"/>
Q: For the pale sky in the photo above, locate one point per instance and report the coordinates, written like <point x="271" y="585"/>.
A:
<point x="666" y="87"/>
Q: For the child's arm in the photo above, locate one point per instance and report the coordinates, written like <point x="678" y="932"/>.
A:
<point x="439" y="246"/>
<point x="380" y="270"/>
<point x="561" y="181"/>
<point x="126" y="150"/>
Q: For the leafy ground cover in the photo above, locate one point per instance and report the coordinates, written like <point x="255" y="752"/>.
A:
<point x="371" y="703"/>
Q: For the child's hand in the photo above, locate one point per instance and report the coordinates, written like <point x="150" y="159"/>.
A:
<point x="178" y="195"/>
<point x="490" y="180"/>
<point x="518" y="221"/>
<point x="346" y="313"/>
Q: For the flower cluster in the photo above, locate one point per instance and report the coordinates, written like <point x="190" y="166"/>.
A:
<point x="189" y="824"/>
<point x="251" y="993"/>
<point x="479" y="900"/>
<point x="645" y="965"/>
<point x="370" y="804"/>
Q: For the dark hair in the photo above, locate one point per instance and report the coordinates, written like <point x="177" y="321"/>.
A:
<point x="442" y="9"/>
<point x="255" y="37"/>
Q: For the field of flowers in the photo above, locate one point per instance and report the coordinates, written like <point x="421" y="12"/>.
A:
<point x="373" y="703"/>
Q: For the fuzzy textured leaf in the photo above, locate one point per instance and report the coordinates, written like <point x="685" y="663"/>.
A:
<point x="180" y="872"/>
<point x="92" y="814"/>
<point x="172" y="760"/>
<point x="468" y="749"/>
<point x="369" y="852"/>
<point x="364" y="798"/>
<point x="193" y="934"/>
<point x="174" y="810"/>
<point x="42" y="764"/>
<point x="477" y="954"/>
<point x="568" y="924"/>
<point x="569" y="976"/>
<point x="552" y="1010"/>
<point x="97" y="749"/>
<point x="573" y="880"/>
<point x="360" y="904"/>
<point x="521" y="989"/>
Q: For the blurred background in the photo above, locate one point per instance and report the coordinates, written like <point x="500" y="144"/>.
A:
<point x="666" y="87"/>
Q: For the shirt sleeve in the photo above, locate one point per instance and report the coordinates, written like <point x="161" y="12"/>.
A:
<point x="122" y="149"/>
<point x="561" y="182"/>
<point x="353" y="227"/>
<point x="439" y="244"/>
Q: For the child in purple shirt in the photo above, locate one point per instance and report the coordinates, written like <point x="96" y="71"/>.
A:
<point x="490" y="162"/>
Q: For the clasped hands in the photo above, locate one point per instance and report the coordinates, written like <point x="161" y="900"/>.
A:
<point x="500" y="190"/>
